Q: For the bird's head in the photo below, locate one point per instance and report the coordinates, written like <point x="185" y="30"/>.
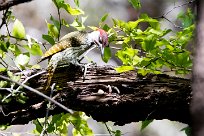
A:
<point x="100" y="38"/>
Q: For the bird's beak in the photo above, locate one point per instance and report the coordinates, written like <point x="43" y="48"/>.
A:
<point x="100" y="47"/>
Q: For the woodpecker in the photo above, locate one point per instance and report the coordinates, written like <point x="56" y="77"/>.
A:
<point x="71" y="47"/>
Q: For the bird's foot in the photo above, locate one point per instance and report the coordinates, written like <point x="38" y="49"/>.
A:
<point x="113" y="88"/>
<point x="85" y="66"/>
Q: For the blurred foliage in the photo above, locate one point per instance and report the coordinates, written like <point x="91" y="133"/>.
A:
<point x="58" y="124"/>
<point x="145" y="123"/>
<point x="187" y="130"/>
<point x="146" y="50"/>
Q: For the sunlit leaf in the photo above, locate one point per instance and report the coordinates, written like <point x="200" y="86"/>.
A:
<point x="14" y="48"/>
<point x="22" y="59"/>
<point x="143" y="72"/>
<point x="3" y="84"/>
<point x="104" y="17"/>
<point x="72" y="11"/>
<point x="55" y="22"/>
<point x="35" y="49"/>
<point x="65" y="23"/>
<point x="52" y="30"/>
<point x="124" y="69"/>
<point x="78" y="25"/>
<point x="18" y="29"/>
<point x="3" y="69"/>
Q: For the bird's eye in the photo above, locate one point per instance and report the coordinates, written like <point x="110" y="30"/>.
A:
<point x="100" y="40"/>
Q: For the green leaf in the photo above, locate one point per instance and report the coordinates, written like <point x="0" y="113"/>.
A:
<point x="153" y="22"/>
<point x="70" y="10"/>
<point x="135" y="3"/>
<point x="187" y="18"/>
<point x="22" y="60"/>
<point x="14" y="48"/>
<point x="12" y="76"/>
<point x="4" y="46"/>
<point x="64" y="23"/>
<point x="104" y="17"/>
<point x="105" y="27"/>
<point x="21" y="98"/>
<point x="143" y="72"/>
<point x="58" y="2"/>
<point x="107" y="54"/>
<point x="49" y="39"/>
<point x="36" y="66"/>
<point x="133" y="24"/>
<point x="118" y="133"/>
<point x="136" y="60"/>
<point x="145" y="124"/>
<point x="34" y="49"/>
<point x="79" y="120"/>
<point x="149" y="43"/>
<point x="78" y="25"/>
<point x="55" y="22"/>
<point x="3" y="84"/>
<point x="3" y="69"/>
<point x="52" y="30"/>
<point x="18" y="29"/>
<point x="187" y="130"/>
<point x="76" y="2"/>
<point x="38" y="127"/>
<point x="115" y="22"/>
<point x="124" y="69"/>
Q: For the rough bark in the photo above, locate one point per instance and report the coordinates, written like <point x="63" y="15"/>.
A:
<point x="133" y="98"/>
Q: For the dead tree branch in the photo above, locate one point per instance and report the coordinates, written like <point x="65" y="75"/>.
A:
<point x="5" y="4"/>
<point x="106" y="96"/>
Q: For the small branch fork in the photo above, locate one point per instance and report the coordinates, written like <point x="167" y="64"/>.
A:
<point x="175" y="7"/>
<point x="38" y="93"/>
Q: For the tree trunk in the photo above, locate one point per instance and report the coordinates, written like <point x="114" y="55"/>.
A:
<point x="107" y="96"/>
<point x="197" y="108"/>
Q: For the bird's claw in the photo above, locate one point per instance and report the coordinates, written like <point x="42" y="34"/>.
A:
<point x="85" y="67"/>
<point x="111" y="88"/>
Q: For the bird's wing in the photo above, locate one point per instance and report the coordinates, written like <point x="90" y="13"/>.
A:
<point x="69" y="40"/>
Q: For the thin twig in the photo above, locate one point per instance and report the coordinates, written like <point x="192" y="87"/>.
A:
<point x="176" y="26"/>
<point x="4" y="18"/>
<point x="38" y="93"/>
<point x="7" y="89"/>
<point x="165" y="14"/>
<point x="47" y="111"/>
<point x="14" y="62"/>
<point x="3" y="63"/>
<point x="109" y="131"/>
<point x="28" y="78"/>
<point x="175" y="7"/>
<point x="60" y="25"/>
